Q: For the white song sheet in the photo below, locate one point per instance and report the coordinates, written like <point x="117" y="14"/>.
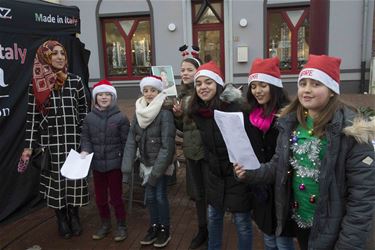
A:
<point x="75" y="167"/>
<point x="232" y="128"/>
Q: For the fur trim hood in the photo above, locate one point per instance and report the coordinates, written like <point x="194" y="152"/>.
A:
<point x="361" y="129"/>
<point x="231" y="94"/>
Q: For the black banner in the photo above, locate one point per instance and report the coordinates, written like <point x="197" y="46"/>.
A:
<point x="39" y="17"/>
<point x="19" y="192"/>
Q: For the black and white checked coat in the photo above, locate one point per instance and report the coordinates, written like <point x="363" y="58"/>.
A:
<point x="59" y="130"/>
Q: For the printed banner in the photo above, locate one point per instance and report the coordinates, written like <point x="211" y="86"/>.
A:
<point x="17" y="51"/>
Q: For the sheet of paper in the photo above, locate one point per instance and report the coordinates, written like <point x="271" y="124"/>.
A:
<point x="75" y="167"/>
<point x="232" y="128"/>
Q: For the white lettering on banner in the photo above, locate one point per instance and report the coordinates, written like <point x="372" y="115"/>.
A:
<point x="13" y="53"/>
<point x="2" y="82"/>
<point x="39" y="17"/>
<point x="4" y="112"/>
<point x="4" y="13"/>
<point x="45" y="19"/>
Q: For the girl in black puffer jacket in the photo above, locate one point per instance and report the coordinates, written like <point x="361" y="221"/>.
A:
<point x="224" y="192"/>
<point x="104" y="132"/>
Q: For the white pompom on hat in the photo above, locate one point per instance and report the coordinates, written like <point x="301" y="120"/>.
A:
<point x="323" y="68"/>
<point x="266" y="70"/>
<point x="104" y="86"/>
<point x="210" y="70"/>
<point x="151" y="81"/>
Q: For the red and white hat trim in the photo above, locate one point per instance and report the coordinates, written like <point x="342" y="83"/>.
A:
<point x="320" y="76"/>
<point x="210" y="74"/>
<point x="265" y="78"/>
<point x="102" y="88"/>
<point x="151" y="81"/>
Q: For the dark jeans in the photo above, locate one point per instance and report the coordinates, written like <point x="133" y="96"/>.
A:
<point x="196" y="173"/>
<point x="157" y="202"/>
<point x="215" y="229"/>
<point x="109" y="181"/>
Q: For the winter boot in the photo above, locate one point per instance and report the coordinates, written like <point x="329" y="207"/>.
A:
<point x="104" y="229"/>
<point x="121" y="231"/>
<point x="163" y="237"/>
<point x="151" y="236"/>
<point x="74" y="221"/>
<point x="62" y="223"/>
<point x="200" y="238"/>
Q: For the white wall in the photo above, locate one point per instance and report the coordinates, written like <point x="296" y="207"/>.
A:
<point x="167" y="42"/>
<point x="252" y="35"/>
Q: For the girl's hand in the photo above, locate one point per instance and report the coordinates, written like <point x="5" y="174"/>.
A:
<point x="240" y="171"/>
<point x="177" y="109"/>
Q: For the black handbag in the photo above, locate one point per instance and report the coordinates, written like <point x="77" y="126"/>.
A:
<point x="41" y="158"/>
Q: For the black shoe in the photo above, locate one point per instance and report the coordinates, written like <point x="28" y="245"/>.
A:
<point x="163" y="237"/>
<point x="200" y="238"/>
<point x="104" y="229"/>
<point x="62" y="223"/>
<point x="151" y="236"/>
<point x="75" y="224"/>
<point x="121" y="231"/>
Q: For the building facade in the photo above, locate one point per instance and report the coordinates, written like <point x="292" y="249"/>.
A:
<point x="127" y="37"/>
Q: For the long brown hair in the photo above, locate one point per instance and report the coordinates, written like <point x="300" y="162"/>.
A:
<point x="324" y="117"/>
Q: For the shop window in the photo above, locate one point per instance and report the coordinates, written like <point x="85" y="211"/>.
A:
<point x="288" y="37"/>
<point x="127" y="47"/>
<point x="208" y="30"/>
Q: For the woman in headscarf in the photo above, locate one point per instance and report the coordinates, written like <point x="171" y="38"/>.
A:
<point x="56" y="108"/>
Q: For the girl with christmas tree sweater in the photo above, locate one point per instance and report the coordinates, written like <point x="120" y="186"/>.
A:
<point x="323" y="169"/>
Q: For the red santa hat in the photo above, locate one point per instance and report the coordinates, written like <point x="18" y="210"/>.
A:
<point x="266" y="70"/>
<point x="210" y="70"/>
<point x="104" y="86"/>
<point x="325" y="69"/>
<point x="152" y="81"/>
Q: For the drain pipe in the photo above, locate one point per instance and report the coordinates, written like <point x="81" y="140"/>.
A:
<point x="363" y="86"/>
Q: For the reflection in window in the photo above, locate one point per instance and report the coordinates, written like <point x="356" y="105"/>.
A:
<point x="209" y="42"/>
<point x="303" y="43"/>
<point x="288" y="37"/>
<point x="127" y="48"/>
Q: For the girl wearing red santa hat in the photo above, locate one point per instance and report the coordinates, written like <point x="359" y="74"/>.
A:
<point x="265" y="97"/>
<point x="224" y="192"/>
<point x="323" y="169"/>
<point x="104" y="133"/>
<point x="152" y="133"/>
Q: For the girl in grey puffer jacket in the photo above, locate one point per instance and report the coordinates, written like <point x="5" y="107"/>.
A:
<point x="104" y="133"/>
<point x="323" y="168"/>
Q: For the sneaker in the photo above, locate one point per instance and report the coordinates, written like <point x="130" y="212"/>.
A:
<point x="163" y="237"/>
<point x="121" y="232"/>
<point x="151" y="236"/>
<point x="104" y="229"/>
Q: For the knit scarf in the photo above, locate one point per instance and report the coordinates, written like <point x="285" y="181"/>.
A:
<point x="263" y="123"/>
<point x="205" y="112"/>
<point x="146" y="114"/>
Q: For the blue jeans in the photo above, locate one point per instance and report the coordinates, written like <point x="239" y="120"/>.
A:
<point x="272" y="242"/>
<point x="215" y="229"/>
<point x="157" y="202"/>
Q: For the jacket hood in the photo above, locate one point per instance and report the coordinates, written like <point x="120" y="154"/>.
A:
<point x="361" y="129"/>
<point x="231" y="94"/>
